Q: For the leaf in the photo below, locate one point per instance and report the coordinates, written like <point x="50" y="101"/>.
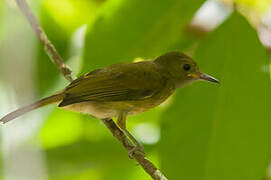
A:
<point x="69" y="128"/>
<point x="66" y="126"/>
<point x="59" y="26"/>
<point x="254" y="5"/>
<point x="105" y="158"/>
<point x="132" y="28"/>
<point x="222" y="132"/>
<point x="1" y="16"/>
<point x="73" y="13"/>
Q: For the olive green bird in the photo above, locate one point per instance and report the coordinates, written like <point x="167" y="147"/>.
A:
<point x="121" y="90"/>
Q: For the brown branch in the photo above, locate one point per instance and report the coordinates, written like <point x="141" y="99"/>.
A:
<point x="148" y="166"/>
<point x="46" y="43"/>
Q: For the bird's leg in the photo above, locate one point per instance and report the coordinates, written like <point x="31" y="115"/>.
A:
<point x="122" y="124"/>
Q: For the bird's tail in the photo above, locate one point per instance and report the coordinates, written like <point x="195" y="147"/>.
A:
<point x="43" y="102"/>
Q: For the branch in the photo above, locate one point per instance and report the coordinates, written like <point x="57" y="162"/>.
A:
<point x="147" y="165"/>
<point x="46" y="43"/>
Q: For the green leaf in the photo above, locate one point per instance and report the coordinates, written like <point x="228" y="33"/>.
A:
<point x="60" y="19"/>
<point x="1" y="16"/>
<point x="71" y="14"/>
<point x="106" y="159"/>
<point x="66" y="126"/>
<point x="69" y="128"/>
<point x="222" y="131"/>
<point x="128" y="29"/>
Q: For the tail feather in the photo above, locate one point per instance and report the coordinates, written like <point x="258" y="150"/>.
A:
<point x="30" y="107"/>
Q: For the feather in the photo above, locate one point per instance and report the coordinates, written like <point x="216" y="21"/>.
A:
<point x="123" y="82"/>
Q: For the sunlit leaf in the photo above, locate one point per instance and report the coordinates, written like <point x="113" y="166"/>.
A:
<point x="260" y="6"/>
<point x="71" y="13"/>
<point x="61" y="128"/>
<point x="70" y="127"/>
<point x="60" y="19"/>
<point x="222" y="132"/>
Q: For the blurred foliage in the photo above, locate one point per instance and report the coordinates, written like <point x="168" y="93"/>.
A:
<point x="207" y="131"/>
<point x="73" y="13"/>
<point x="125" y="30"/>
<point x="60" y="25"/>
<point x="260" y="6"/>
<point x="71" y="129"/>
<point x="105" y="159"/>
<point x="1" y="34"/>
<point x="227" y="126"/>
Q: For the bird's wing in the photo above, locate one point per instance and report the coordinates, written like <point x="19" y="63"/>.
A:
<point x="124" y="82"/>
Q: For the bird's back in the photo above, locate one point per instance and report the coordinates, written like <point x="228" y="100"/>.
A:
<point x="122" y="87"/>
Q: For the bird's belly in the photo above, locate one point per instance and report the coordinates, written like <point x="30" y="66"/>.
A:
<point x="98" y="110"/>
<point x="103" y="110"/>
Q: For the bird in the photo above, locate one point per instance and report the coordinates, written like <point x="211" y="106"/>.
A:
<point x="124" y="89"/>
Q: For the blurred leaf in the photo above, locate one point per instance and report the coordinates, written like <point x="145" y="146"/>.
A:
<point x="60" y="19"/>
<point x="81" y="156"/>
<point x="71" y="14"/>
<point x="1" y="16"/>
<point x="260" y="6"/>
<point x="64" y="127"/>
<point x="61" y="128"/>
<point x="222" y="132"/>
<point x="102" y="160"/>
<point x="128" y="29"/>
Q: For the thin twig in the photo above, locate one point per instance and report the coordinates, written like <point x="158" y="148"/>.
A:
<point x="147" y="165"/>
<point x="48" y="46"/>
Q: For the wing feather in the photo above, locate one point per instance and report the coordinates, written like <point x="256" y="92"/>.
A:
<point x="125" y="82"/>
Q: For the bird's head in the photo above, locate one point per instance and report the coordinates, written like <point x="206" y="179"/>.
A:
<point x="182" y="69"/>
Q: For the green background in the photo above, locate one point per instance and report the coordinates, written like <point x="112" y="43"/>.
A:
<point x="203" y="132"/>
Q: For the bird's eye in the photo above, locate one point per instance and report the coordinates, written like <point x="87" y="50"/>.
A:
<point x="186" y="67"/>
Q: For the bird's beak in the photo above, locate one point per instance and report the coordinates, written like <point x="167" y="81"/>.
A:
<point x="206" y="77"/>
